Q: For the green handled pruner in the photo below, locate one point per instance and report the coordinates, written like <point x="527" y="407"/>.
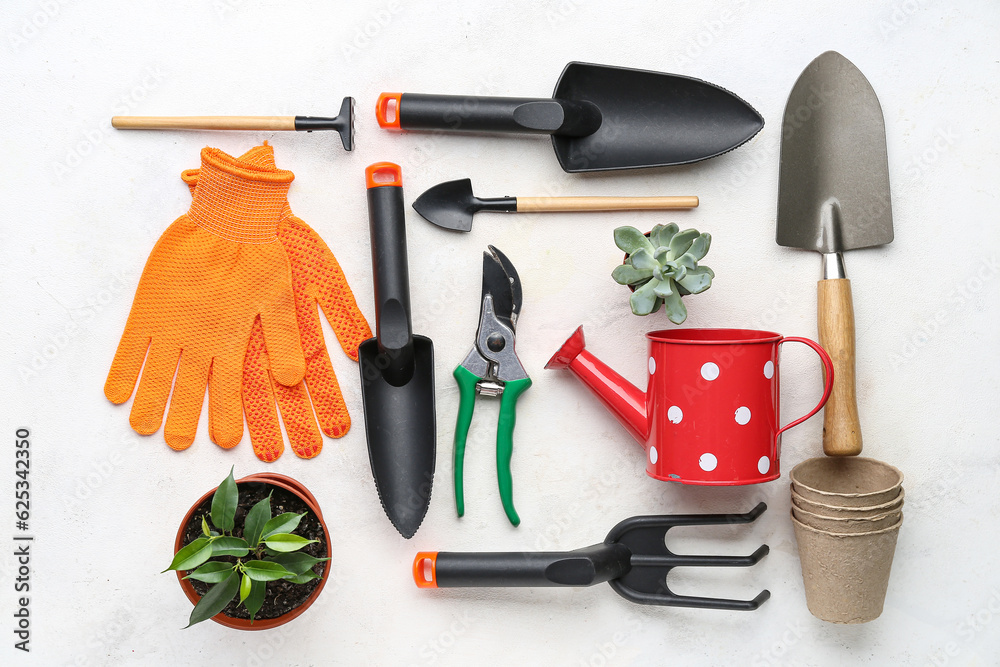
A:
<point x="493" y="369"/>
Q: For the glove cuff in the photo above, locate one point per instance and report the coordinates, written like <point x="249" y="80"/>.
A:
<point x="239" y="199"/>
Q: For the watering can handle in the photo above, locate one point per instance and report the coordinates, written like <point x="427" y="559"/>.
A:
<point x="828" y="375"/>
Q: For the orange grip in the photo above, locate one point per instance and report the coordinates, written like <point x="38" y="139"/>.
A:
<point x="387" y="110"/>
<point x="420" y="569"/>
<point x="383" y="173"/>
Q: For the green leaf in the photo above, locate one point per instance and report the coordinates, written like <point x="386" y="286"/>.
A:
<point x="285" y="542"/>
<point x="662" y="234"/>
<point x="681" y="242"/>
<point x="643" y="259"/>
<point x="283" y="523"/>
<point x="204" y="528"/>
<point x="258" y="515"/>
<point x="245" y="585"/>
<point x="192" y="555"/>
<point x="697" y="279"/>
<point x="254" y="601"/>
<point x="630" y="239"/>
<point x="297" y="562"/>
<point x="264" y="570"/>
<point x="664" y="289"/>
<point x="303" y="578"/>
<point x="697" y="251"/>
<point x="676" y="311"/>
<point x="215" y="600"/>
<point x="626" y="274"/>
<point x="644" y="298"/>
<point x="212" y="572"/>
<point x="224" y="504"/>
<point x="230" y="546"/>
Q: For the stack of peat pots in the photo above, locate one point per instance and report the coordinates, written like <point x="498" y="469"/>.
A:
<point x="847" y="512"/>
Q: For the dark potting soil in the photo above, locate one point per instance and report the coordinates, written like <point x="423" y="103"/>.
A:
<point x="282" y="596"/>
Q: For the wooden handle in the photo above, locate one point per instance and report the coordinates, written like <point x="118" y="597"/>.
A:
<point x="540" y="204"/>
<point x="203" y="122"/>
<point x="841" y="426"/>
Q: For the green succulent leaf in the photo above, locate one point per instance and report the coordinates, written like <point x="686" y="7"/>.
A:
<point x="212" y="572"/>
<point x="681" y="242"/>
<point x="215" y="600"/>
<point x="283" y="523"/>
<point x="664" y="289"/>
<point x="256" y="519"/>
<point x="643" y="259"/>
<point x="254" y="601"/>
<point x="245" y="585"/>
<point x="224" y="504"/>
<point x="697" y="251"/>
<point x="230" y="546"/>
<point x="626" y="274"/>
<point x="303" y="578"/>
<point x="662" y="234"/>
<point x="297" y="562"/>
<point x="676" y="311"/>
<point x="192" y="555"/>
<point x="697" y="279"/>
<point x="286" y="542"/>
<point x="643" y="300"/>
<point x="264" y="570"/>
<point x="630" y="239"/>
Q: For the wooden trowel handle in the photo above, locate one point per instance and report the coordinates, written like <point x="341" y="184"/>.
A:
<point x="540" y="204"/>
<point x="841" y="426"/>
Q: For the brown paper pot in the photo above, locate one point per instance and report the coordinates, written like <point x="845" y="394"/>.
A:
<point x="847" y="512"/>
<point x="846" y="481"/>
<point x="847" y="525"/>
<point x="845" y="575"/>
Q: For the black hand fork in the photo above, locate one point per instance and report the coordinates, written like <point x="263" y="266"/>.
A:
<point x="634" y="560"/>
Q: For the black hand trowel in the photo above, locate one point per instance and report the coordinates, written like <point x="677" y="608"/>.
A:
<point x="397" y="366"/>
<point x="599" y="117"/>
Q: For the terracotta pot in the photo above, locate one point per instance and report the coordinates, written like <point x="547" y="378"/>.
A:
<point x="846" y="481"/>
<point x="293" y="486"/>
<point x="848" y="512"/>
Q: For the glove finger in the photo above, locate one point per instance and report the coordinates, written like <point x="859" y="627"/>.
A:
<point x="186" y="402"/>
<point x="258" y="400"/>
<point x="327" y="399"/>
<point x="154" y="388"/>
<point x="315" y="268"/>
<point x="300" y="424"/>
<point x="125" y="367"/>
<point x="225" y="408"/>
<point x="281" y="337"/>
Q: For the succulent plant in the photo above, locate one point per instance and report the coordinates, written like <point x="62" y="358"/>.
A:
<point x="662" y="267"/>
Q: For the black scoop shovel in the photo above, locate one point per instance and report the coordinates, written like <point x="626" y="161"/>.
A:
<point x="600" y="117"/>
<point x="397" y="367"/>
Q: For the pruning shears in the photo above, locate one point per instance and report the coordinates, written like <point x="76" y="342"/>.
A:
<point x="493" y="369"/>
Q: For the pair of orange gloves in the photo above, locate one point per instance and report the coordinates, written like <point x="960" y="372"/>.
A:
<point x="228" y="300"/>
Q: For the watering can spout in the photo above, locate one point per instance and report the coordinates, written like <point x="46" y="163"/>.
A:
<point x="625" y="401"/>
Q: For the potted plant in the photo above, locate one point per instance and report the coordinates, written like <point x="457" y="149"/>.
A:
<point x="252" y="554"/>
<point x="662" y="266"/>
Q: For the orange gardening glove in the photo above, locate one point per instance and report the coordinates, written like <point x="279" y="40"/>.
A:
<point x="316" y="278"/>
<point x="211" y="274"/>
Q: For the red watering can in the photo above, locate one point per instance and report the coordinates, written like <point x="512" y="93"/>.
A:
<point x="709" y="414"/>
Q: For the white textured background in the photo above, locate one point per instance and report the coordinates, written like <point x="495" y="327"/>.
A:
<point x="83" y="205"/>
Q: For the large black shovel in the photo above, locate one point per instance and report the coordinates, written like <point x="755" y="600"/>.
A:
<point x="600" y="117"/>
<point x="397" y="367"/>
